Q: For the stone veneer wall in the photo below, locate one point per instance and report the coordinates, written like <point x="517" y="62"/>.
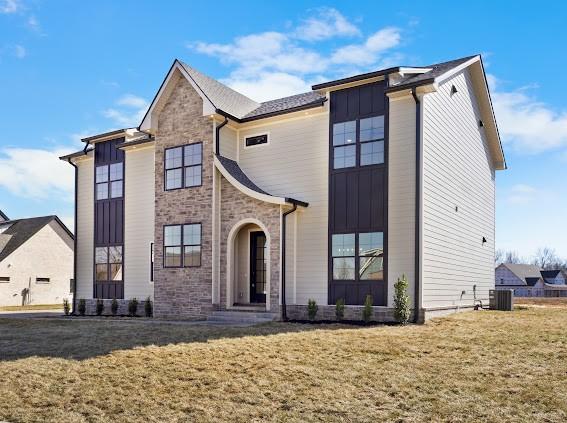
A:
<point x="327" y="312"/>
<point x="184" y="293"/>
<point x="236" y="206"/>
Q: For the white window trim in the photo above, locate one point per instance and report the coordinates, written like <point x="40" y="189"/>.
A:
<point x="246" y="147"/>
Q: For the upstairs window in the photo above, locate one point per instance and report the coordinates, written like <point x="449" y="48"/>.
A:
<point x="184" y="166"/>
<point x="109" y="181"/>
<point x="371" y="140"/>
<point x="344" y="144"/>
<point x="256" y="140"/>
<point x="4" y="278"/>
<point x="42" y="280"/>
<point x="182" y="245"/>
<point x="358" y="142"/>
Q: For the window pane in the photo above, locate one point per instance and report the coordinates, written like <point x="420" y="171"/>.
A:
<point x="372" y="153"/>
<point x="115" y="254"/>
<point x="372" y="128"/>
<point x="192" y="234"/>
<point x="172" y="256"/>
<point x="257" y="140"/>
<point x="370" y="244"/>
<point x="344" y="133"/>
<point x="343" y="245"/>
<point x="173" y="179"/>
<point x="173" y="157"/>
<point x="102" y="191"/>
<point x="193" y="154"/>
<point x="101" y="255"/>
<point x="193" y="176"/>
<point x="192" y="256"/>
<point x="344" y="157"/>
<point x="116" y="189"/>
<point x="116" y="171"/>
<point x="102" y="173"/>
<point x="101" y="271"/>
<point x="172" y="235"/>
<point x="371" y="268"/>
<point x="343" y="268"/>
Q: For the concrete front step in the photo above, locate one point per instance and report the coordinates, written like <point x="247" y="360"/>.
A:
<point x="242" y="316"/>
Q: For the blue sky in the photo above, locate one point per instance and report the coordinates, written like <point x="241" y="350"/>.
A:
<point x="70" y="69"/>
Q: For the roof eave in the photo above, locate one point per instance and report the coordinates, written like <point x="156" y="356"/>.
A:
<point x="318" y="103"/>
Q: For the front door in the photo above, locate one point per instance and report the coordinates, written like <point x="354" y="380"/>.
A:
<point x="257" y="267"/>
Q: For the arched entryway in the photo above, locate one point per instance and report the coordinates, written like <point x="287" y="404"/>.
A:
<point x="248" y="265"/>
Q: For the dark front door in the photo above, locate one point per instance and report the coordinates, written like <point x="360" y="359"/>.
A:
<point x="257" y="267"/>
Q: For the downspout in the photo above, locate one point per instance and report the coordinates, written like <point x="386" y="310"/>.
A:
<point x="75" y="235"/>
<point x="217" y="136"/>
<point x="417" y="303"/>
<point x="284" y="306"/>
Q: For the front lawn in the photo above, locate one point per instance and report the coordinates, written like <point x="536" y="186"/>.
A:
<point x="475" y="366"/>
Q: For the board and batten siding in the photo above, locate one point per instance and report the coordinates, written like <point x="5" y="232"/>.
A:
<point x="401" y="194"/>
<point x="458" y="198"/>
<point x="139" y="196"/>
<point x="85" y="228"/>
<point x="295" y="163"/>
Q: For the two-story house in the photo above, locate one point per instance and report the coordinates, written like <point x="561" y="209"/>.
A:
<point x="217" y="202"/>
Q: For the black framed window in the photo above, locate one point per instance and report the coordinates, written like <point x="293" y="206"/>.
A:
<point x="151" y="262"/>
<point x="184" y="166"/>
<point x="4" y="278"/>
<point x="371" y="137"/>
<point x="109" y="181"/>
<point x="344" y="144"/>
<point x="182" y="245"/>
<point x="108" y="264"/>
<point x="42" y="280"/>
<point x="365" y="262"/>
<point x="256" y="140"/>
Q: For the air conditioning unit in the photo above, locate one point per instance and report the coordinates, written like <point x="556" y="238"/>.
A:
<point x="501" y="299"/>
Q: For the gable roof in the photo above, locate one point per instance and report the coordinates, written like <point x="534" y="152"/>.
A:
<point x="532" y="281"/>
<point x="523" y="271"/>
<point x="550" y="274"/>
<point x="21" y="230"/>
<point x="3" y="217"/>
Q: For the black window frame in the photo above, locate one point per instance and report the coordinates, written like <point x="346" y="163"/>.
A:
<point x="264" y="140"/>
<point x="357" y="257"/>
<point x="109" y="264"/>
<point x="4" y="279"/>
<point x="109" y="181"/>
<point x="182" y="246"/>
<point x="42" y="280"/>
<point x="370" y="141"/>
<point x="151" y="261"/>
<point x="184" y="167"/>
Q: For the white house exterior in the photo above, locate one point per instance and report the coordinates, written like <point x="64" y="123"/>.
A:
<point x="219" y="203"/>
<point x="36" y="261"/>
<point x="528" y="280"/>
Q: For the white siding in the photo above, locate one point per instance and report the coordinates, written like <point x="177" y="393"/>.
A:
<point x="228" y="142"/>
<point x="401" y="194"/>
<point x="505" y="276"/>
<point x="457" y="172"/>
<point x="85" y="228"/>
<point x="47" y="254"/>
<point x="139" y="186"/>
<point x="295" y="164"/>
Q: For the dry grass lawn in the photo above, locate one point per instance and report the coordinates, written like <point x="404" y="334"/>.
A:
<point x="33" y="307"/>
<point x="475" y="366"/>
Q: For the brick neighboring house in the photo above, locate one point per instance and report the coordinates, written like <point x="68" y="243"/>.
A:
<point x="219" y="203"/>
<point x="530" y="281"/>
<point x="36" y="261"/>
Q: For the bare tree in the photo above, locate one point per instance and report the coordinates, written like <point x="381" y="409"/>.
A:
<point x="546" y="259"/>
<point x="512" y="257"/>
<point x="499" y="256"/>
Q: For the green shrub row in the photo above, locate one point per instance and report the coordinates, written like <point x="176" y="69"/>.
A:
<point x="132" y="307"/>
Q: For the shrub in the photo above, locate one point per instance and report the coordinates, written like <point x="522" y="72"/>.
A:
<point x="402" y="309"/>
<point x="312" y="308"/>
<point x="340" y="309"/>
<point x="148" y="308"/>
<point x="367" y="310"/>
<point x="133" y="307"/>
<point x="66" y="307"/>
<point x="99" y="306"/>
<point x="82" y="306"/>
<point x="114" y="307"/>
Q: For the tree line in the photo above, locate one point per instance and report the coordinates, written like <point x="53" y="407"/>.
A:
<point x="545" y="258"/>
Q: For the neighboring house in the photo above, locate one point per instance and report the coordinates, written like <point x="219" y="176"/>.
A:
<point x="36" y="261"/>
<point x="217" y="202"/>
<point x="530" y="281"/>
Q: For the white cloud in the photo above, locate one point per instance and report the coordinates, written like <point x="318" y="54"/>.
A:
<point x="36" y="173"/>
<point x="33" y="24"/>
<point x="328" y="23"/>
<point x="130" y="111"/>
<point x="522" y="194"/>
<point x="368" y="52"/>
<point x="525" y="123"/>
<point x="20" y="51"/>
<point x="269" y="85"/>
<point x="9" y="6"/>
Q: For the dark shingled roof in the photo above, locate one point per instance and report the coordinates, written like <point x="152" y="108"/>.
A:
<point x="3" y="216"/>
<point x="234" y="169"/>
<point x="550" y="274"/>
<point x="21" y="230"/>
<point x="532" y="281"/>
<point x="287" y="103"/>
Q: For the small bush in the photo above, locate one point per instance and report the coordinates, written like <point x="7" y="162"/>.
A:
<point x="340" y="309"/>
<point x="133" y="307"/>
<point x="367" y="310"/>
<point x="82" y="306"/>
<point x="402" y="311"/>
<point x="114" y="307"/>
<point x="312" y="308"/>
<point x="99" y="307"/>
<point x="66" y="307"/>
<point x="148" y="308"/>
